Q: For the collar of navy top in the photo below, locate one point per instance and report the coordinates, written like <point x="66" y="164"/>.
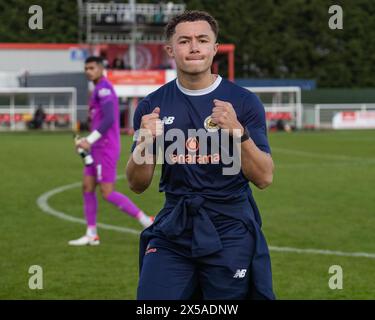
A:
<point x="199" y="92"/>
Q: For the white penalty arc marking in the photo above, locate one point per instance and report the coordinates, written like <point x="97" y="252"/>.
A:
<point x="42" y="203"/>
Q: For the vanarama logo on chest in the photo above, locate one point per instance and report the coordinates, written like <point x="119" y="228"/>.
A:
<point x="192" y="146"/>
<point x="200" y="146"/>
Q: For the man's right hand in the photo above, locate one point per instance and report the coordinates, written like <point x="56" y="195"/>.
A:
<point x="141" y="165"/>
<point x="152" y="123"/>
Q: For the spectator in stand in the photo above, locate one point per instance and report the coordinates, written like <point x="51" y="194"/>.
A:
<point x="38" y="118"/>
<point x="118" y="63"/>
<point x="103" y="55"/>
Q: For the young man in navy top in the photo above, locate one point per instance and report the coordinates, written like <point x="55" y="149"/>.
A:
<point x="206" y="242"/>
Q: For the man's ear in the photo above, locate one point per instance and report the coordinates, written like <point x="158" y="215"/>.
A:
<point x="216" y="47"/>
<point x="169" y="50"/>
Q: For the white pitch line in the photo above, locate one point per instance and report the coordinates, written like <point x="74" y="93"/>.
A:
<point x="324" y="156"/>
<point x="42" y="203"/>
<point x="324" y="252"/>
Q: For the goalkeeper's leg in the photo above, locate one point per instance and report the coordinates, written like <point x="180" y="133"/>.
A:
<point x="90" y="206"/>
<point x="124" y="204"/>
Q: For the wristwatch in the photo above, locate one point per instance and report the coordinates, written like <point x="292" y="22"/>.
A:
<point x="245" y="135"/>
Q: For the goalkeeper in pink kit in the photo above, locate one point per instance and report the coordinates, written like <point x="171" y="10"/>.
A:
<point x="103" y="143"/>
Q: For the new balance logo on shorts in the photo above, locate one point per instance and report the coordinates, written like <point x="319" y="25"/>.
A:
<point x="167" y="120"/>
<point x="240" y="273"/>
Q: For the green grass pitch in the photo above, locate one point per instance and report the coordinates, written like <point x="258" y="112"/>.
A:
<point x="323" y="197"/>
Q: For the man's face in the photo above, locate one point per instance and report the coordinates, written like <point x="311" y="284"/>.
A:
<point x="94" y="71"/>
<point x="193" y="46"/>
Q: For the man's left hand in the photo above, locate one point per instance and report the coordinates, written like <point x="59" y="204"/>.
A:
<point x="225" y="117"/>
<point x="82" y="143"/>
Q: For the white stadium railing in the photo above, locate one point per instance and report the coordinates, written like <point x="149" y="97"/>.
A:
<point x="283" y="103"/>
<point x="324" y="113"/>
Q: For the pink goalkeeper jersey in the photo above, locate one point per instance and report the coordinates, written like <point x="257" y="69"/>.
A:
<point x="100" y="97"/>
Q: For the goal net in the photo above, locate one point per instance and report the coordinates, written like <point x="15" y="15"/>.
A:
<point x="18" y="107"/>
<point x="281" y="103"/>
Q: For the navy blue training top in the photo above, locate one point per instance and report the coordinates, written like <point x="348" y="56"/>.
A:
<point x="189" y="109"/>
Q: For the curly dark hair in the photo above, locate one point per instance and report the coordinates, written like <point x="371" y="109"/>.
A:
<point x="190" y="16"/>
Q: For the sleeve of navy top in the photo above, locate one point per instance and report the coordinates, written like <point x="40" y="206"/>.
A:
<point x="254" y="118"/>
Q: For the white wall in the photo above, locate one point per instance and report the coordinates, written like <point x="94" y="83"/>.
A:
<point x="9" y="79"/>
<point x="36" y="61"/>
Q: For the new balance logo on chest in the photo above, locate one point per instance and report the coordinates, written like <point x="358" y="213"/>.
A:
<point x="167" y="120"/>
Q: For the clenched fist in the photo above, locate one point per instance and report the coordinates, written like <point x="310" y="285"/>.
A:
<point x="152" y="124"/>
<point x="225" y="117"/>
